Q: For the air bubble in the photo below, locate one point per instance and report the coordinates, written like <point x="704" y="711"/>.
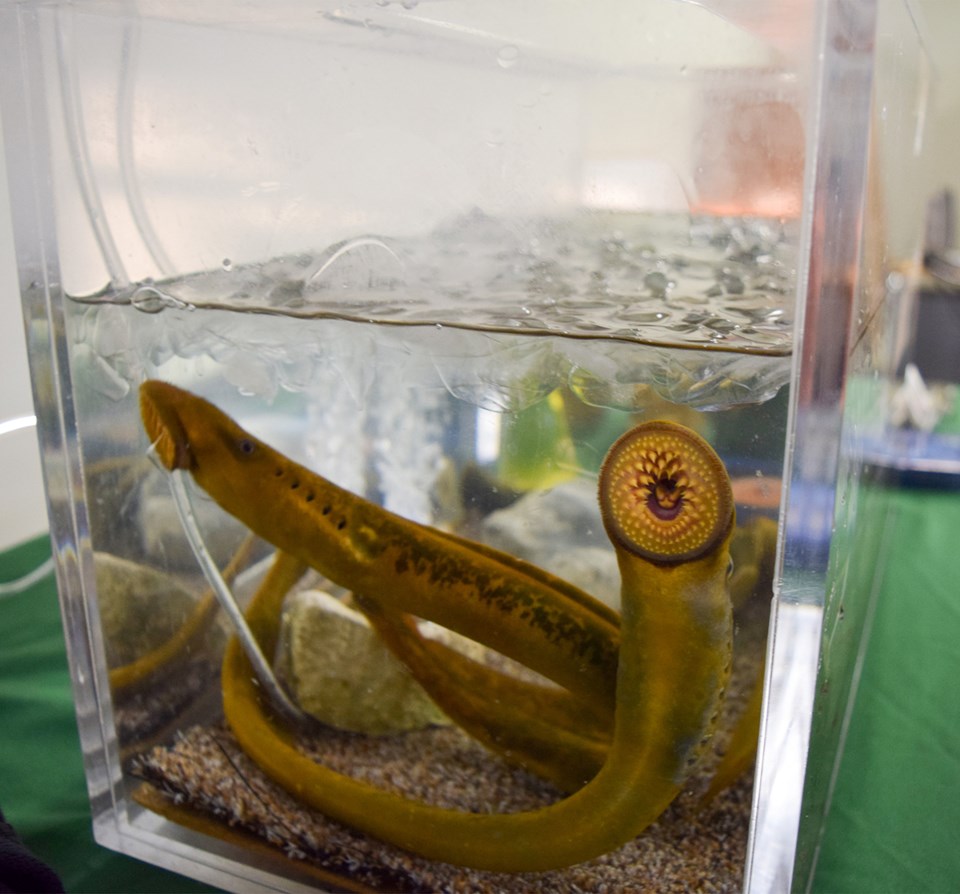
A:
<point x="606" y="284"/>
<point x="150" y="300"/>
<point x="508" y="56"/>
<point x="656" y="281"/>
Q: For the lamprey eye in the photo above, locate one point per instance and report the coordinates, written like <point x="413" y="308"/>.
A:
<point x="246" y="446"/>
<point x="665" y="494"/>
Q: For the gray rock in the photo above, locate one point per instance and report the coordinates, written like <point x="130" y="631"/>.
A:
<point x="163" y="539"/>
<point x="543" y="521"/>
<point x="338" y="670"/>
<point x="561" y="531"/>
<point x="593" y="569"/>
<point x="140" y="608"/>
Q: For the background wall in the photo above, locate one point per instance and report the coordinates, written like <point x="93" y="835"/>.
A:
<point x="942" y="26"/>
<point x="23" y="512"/>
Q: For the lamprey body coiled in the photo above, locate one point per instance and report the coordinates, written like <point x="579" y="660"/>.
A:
<point x="668" y="509"/>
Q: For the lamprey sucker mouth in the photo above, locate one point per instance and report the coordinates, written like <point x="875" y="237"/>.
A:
<point x="665" y="495"/>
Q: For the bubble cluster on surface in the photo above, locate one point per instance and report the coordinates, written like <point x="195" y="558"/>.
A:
<point x="501" y="311"/>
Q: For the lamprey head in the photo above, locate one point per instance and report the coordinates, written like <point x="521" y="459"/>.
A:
<point x="665" y="494"/>
<point x="190" y="433"/>
<point x="164" y="425"/>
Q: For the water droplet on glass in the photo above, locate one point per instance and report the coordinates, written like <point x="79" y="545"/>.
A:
<point x="227" y="264"/>
<point x="409" y="4"/>
<point x="508" y="55"/>
<point x="149" y="299"/>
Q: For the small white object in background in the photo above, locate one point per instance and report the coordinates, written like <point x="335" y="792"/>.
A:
<point x="914" y="405"/>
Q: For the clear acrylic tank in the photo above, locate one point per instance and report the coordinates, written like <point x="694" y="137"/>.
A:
<point x="444" y="254"/>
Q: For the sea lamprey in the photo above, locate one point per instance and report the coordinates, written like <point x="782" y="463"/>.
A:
<point x="661" y="670"/>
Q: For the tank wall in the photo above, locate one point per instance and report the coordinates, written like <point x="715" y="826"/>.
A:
<point x="887" y="280"/>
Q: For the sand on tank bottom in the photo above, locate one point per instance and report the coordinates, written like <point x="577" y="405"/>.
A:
<point x="690" y="849"/>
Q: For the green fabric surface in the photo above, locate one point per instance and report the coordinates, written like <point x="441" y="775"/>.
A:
<point x="896" y="807"/>
<point x="42" y="786"/>
<point x="892" y="827"/>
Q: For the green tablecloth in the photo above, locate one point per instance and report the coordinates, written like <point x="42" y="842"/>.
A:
<point x="42" y="788"/>
<point x="895" y="815"/>
<point x="896" y="810"/>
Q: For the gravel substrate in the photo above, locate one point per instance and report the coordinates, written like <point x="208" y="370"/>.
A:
<point x="690" y="849"/>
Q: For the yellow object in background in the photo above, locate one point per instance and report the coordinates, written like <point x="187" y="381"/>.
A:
<point x="536" y="449"/>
